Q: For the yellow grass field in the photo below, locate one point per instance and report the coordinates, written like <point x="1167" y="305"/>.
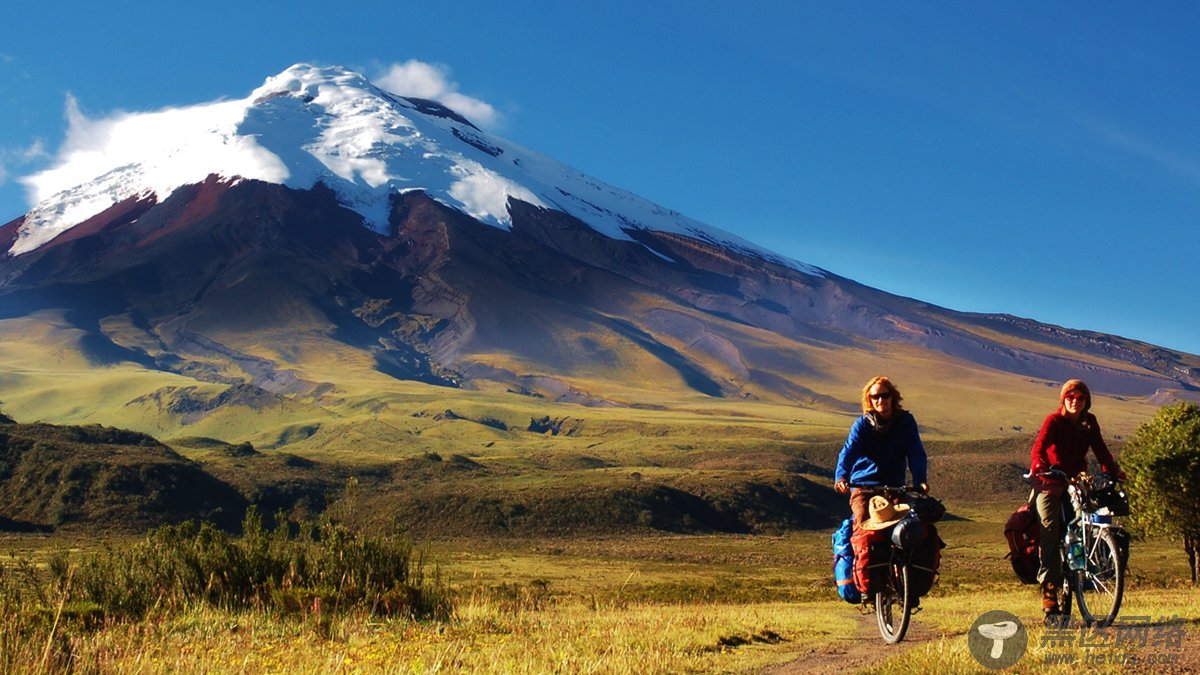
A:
<point x="636" y="604"/>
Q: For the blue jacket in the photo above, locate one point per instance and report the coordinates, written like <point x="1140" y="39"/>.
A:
<point x="873" y="458"/>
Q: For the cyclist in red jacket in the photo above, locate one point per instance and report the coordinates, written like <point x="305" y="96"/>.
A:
<point x="1063" y="442"/>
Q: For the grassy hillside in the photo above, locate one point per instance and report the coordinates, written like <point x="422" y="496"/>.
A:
<point x="98" y="478"/>
<point x="492" y="460"/>
<point x="330" y="401"/>
<point x="733" y="477"/>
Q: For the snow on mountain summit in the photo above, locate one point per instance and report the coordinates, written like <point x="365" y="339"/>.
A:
<point x="313" y="124"/>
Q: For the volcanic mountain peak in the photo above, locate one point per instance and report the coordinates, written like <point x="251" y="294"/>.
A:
<point x="330" y="125"/>
<point x="323" y="243"/>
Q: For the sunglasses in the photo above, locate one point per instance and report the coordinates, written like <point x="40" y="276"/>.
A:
<point x="1075" y="397"/>
<point x="881" y="396"/>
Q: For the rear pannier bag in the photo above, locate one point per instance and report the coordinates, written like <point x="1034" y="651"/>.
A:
<point x="843" y="563"/>
<point x="925" y="561"/>
<point x="1023" y="530"/>
<point x="872" y="554"/>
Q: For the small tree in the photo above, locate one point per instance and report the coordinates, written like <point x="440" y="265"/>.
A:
<point x="1163" y="463"/>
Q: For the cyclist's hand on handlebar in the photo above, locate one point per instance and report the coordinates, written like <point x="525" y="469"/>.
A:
<point x="1052" y="472"/>
<point x="841" y="487"/>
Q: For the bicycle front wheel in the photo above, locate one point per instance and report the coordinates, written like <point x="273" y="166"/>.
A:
<point x="1100" y="585"/>
<point x="893" y="607"/>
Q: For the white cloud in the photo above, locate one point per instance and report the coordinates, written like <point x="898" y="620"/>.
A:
<point x="425" y="80"/>
<point x="36" y="151"/>
<point x="159" y="150"/>
<point x="20" y="158"/>
<point x="1176" y="162"/>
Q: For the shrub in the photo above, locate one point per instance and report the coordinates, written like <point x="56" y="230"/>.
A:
<point x="323" y="564"/>
<point x="1163" y="461"/>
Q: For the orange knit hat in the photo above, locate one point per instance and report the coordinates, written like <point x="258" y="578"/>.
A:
<point x="1075" y="385"/>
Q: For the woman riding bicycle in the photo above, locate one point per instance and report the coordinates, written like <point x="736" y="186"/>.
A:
<point x="882" y="445"/>
<point x="1062" y="444"/>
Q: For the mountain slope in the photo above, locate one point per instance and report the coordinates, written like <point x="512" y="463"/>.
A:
<point x="322" y="241"/>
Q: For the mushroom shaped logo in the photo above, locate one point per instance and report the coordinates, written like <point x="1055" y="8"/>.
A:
<point x="998" y="633"/>
<point x="997" y="640"/>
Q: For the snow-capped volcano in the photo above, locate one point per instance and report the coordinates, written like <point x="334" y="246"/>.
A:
<point x="329" y="125"/>
<point x="322" y="239"/>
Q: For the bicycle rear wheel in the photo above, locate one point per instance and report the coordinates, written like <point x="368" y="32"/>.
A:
<point x="893" y="608"/>
<point x="1100" y="585"/>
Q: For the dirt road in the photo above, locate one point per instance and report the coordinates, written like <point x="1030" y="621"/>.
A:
<point x="855" y="651"/>
<point x="863" y="648"/>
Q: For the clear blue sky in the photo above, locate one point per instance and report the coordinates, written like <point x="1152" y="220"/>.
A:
<point x="1039" y="159"/>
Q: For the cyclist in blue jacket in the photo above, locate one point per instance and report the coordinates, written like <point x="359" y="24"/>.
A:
<point x="882" y="446"/>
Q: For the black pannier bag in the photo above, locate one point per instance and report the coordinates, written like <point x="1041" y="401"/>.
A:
<point x="922" y="539"/>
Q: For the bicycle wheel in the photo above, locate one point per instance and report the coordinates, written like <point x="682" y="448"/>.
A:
<point x="893" y="607"/>
<point x="1100" y="585"/>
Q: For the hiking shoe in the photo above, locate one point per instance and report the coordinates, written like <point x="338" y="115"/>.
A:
<point x="1049" y="598"/>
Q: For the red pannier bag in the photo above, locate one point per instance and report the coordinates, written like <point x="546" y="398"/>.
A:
<point x="1023" y="531"/>
<point x="872" y="553"/>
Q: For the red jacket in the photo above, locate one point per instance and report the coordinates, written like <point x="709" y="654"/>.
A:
<point x="1063" y="444"/>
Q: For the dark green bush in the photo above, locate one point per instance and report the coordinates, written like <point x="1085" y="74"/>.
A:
<point x="323" y="566"/>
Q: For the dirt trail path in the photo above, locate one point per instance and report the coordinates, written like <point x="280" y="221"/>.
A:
<point x="854" y="652"/>
<point x="864" y="648"/>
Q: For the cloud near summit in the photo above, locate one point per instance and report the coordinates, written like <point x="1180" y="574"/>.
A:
<point x="425" y="80"/>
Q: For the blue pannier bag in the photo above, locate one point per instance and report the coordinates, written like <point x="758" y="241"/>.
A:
<point x="843" y="563"/>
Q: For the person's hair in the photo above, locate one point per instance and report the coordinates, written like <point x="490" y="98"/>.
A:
<point x="883" y="381"/>
<point x="1074" y="385"/>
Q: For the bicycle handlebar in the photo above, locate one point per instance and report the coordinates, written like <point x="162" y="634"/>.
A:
<point x="1059" y="473"/>
<point x="885" y="488"/>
